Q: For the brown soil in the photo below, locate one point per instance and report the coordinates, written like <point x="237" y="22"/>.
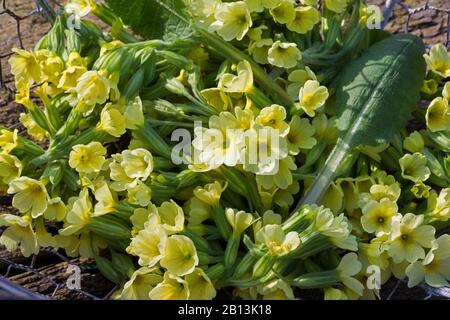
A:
<point x="429" y="25"/>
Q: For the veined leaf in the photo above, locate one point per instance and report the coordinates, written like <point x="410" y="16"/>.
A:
<point x="148" y="19"/>
<point x="374" y="100"/>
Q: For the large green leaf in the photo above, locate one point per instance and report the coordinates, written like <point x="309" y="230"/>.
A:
<point x="149" y="19"/>
<point x="374" y="100"/>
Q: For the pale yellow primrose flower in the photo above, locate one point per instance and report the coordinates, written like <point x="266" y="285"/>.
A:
<point x="348" y="268"/>
<point x="180" y="256"/>
<point x="149" y="245"/>
<point x="232" y="20"/>
<point x="239" y="220"/>
<point x="438" y="115"/>
<point x="30" y="196"/>
<point x="137" y="163"/>
<point x="171" y="217"/>
<point x="33" y="129"/>
<point x="51" y="65"/>
<point x="142" y="281"/>
<point x="281" y="175"/>
<point x="240" y="83"/>
<point x="24" y="66"/>
<point x="284" y="55"/>
<point x="337" y="6"/>
<point x="408" y="237"/>
<point x="172" y="288"/>
<point x="284" y="12"/>
<point x="112" y="122"/>
<point x="18" y="234"/>
<point x="414" y="167"/>
<point x="300" y="135"/>
<point x="274" y="116"/>
<point x="439" y="206"/>
<point x="438" y="60"/>
<point x="276" y="289"/>
<point x="56" y="210"/>
<point x="434" y="268"/>
<point x="298" y="79"/>
<point x="10" y="169"/>
<point x="414" y="142"/>
<point x="278" y="243"/>
<point x="87" y="158"/>
<point x="377" y="216"/>
<point x="446" y="91"/>
<point x="305" y="19"/>
<point x="79" y="215"/>
<point x="312" y="96"/>
<point x="200" y="286"/>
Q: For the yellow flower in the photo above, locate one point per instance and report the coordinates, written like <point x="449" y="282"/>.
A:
<point x="284" y="55"/>
<point x="312" y="96"/>
<point x="87" y="158"/>
<point x="56" y="210"/>
<point x="283" y="12"/>
<point x="106" y="200"/>
<point x="172" y="288"/>
<point x="420" y="190"/>
<point x="180" y="256"/>
<point x="112" y="122"/>
<point x="44" y="238"/>
<point x="29" y="196"/>
<point x="276" y="290"/>
<point x="334" y="294"/>
<point x="377" y="216"/>
<point x="414" y="167"/>
<point x="439" y="206"/>
<point x="414" y="142"/>
<point x="239" y="220"/>
<point x="304" y="20"/>
<point x="80" y="8"/>
<point x="92" y="88"/>
<point x="438" y="60"/>
<point x="337" y="6"/>
<point x="10" y="169"/>
<point x="284" y="198"/>
<point x="349" y="267"/>
<point x="210" y="193"/>
<point x="241" y="83"/>
<point x="336" y="229"/>
<point x="274" y="116"/>
<point x="171" y="217"/>
<point x="51" y="65"/>
<point x="298" y="79"/>
<point x="260" y="50"/>
<point x="438" y="115"/>
<point x="33" y="129"/>
<point x="142" y="281"/>
<point x="232" y="20"/>
<point x="278" y="243"/>
<point x="434" y="268"/>
<point x="446" y="91"/>
<point x="197" y="211"/>
<point x="429" y="86"/>
<point x="75" y="60"/>
<point x="70" y="76"/>
<point x="140" y="194"/>
<point x="137" y="163"/>
<point x="19" y="233"/>
<point x="408" y="237"/>
<point x="217" y="98"/>
<point x="133" y="113"/>
<point x="25" y="67"/>
<point x="79" y="215"/>
<point x="200" y="286"/>
<point x="149" y="245"/>
<point x="8" y="140"/>
<point x="281" y="176"/>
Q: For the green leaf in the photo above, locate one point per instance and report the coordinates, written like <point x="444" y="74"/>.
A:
<point x="149" y="19"/>
<point x="374" y="100"/>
